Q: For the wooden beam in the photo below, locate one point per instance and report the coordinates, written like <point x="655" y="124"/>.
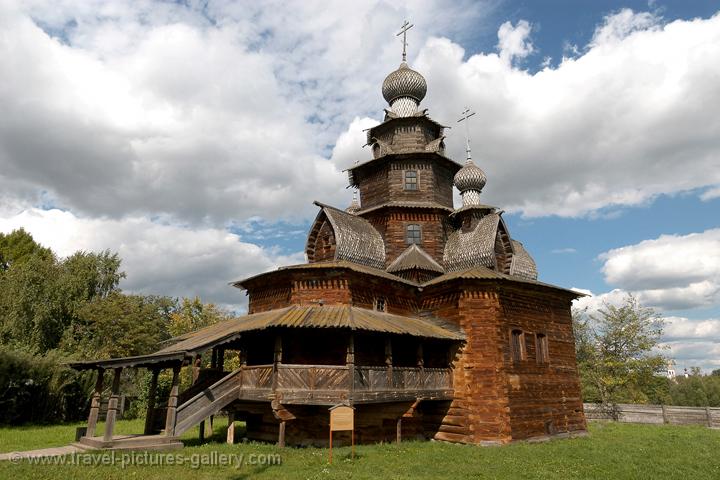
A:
<point x="389" y="360"/>
<point x="112" y="406"/>
<point x="95" y="404"/>
<point x="350" y="361"/>
<point x="172" y="403"/>
<point x="277" y="360"/>
<point x="152" y="392"/>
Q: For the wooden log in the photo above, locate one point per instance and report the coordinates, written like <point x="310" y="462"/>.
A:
<point x="112" y="406"/>
<point x="172" y="403"/>
<point x="151" y="402"/>
<point x="281" y="435"/>
<point x="95" y="405"/>
<point x="398" y="431"/>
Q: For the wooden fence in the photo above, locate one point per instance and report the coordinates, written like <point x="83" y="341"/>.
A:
<point x="659" y="414"/>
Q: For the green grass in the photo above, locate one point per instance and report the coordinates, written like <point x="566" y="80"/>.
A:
<point x="612" y="451"/>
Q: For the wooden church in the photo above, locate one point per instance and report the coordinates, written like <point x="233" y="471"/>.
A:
<point x="427" y="318"/>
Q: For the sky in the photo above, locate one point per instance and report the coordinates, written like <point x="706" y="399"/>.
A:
<point x="192" y="137"/>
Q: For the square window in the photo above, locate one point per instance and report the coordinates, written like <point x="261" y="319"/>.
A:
<point x="413" y="234"/>
<point x="411" y="180"/>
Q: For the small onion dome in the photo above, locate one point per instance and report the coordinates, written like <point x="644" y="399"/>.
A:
<point x="470" y="177"/>
<point x="404" y="82"/>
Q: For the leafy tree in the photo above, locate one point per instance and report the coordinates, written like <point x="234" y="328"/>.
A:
<point x="40" y="296"/>
<point x="193" y="314"/>
<point x="18" y="246"/>
<point x="119" y="325"/>
<point x="617" y="352"/>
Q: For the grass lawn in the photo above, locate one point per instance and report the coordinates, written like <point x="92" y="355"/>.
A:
<point x="612" y="451"/>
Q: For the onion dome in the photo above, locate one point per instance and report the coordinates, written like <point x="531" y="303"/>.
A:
<point x="470" y="177"/>
<point x="470" y="180"/>
<point x="354" y="205"/>
<point x="404" y="89"/>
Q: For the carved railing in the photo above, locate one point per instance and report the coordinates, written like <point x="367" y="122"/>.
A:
<point x="314" y="377"/>
<point x="257" y="377"/>
<point x="402" y="378"/>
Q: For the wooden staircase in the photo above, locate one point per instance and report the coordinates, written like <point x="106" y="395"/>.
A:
<point x="208" y="402"/>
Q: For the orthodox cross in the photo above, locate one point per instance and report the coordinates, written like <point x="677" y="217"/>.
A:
<point x="464" y="118"/>
<point x="405" y="27"/>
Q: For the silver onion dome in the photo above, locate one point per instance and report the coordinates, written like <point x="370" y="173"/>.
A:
<point x="470" y="177"/>
<point x="404" y="82"/>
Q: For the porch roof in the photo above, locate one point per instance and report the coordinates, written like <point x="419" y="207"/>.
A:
<point x="296" y="316"/>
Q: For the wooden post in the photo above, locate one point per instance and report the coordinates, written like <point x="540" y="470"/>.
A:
<point x="112" y="406"/>
<point x="231" y="428"/>
<point x="152" y="392"/>
<point x="95" y="404"/>
<point x="197" y="365"/>
<point x="389" y="361"/>
<point x="398" y="431"/>
<point x="281" y="435"/>
<point x="277" y="360"/>
<point x="709" y="417"/>
<point x="208" y="424"/>
<point x="350" y="361"/>
<point x="172" y="403"/>
<point x="664" y="414"/>
<point x="221" y="359"/>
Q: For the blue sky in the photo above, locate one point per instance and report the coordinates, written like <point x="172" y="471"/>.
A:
<point x="192" y="137"/>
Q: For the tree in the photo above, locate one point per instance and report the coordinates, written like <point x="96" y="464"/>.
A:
<point x="617" y="352"/>
<point x="18" y="246"/>
<point x="193" y="315"/>
<point x="40" y="295"/>
<point x="119" y="325"/>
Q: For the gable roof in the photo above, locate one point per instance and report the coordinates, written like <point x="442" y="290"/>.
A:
<point x="415" y="257"/>
<point x="356" y="240"/>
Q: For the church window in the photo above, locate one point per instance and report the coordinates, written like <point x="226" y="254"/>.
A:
<point x="380" y="304"/>
<point x="413" y="234"/>
<point x="541" y="348"/>
<point x="411" y="178"/>
<point x="517" y="345"/>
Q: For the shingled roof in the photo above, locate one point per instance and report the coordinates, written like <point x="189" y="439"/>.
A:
<point x="415" y="257"/>
<point x="473" y="248"/>
<point x="522" y="264"/>
<point x="356" y="239"/>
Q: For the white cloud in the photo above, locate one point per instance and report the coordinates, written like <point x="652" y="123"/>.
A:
<point x="513" y="41"/>
<point x="671" y="271"/>
<point x="710" y="194"/>
<point x="679" y="328"/>
<point x="158" y="258"/>
<point x="622" y="122"/>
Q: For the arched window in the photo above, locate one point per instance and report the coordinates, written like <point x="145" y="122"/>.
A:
<point x="413" y="234"/>
<point x="411" y="180"/>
